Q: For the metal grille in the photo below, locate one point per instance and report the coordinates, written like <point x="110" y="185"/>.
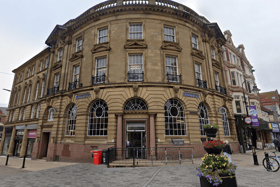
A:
<point x="175" y="121"/>
<point x="136" y="104"/>
<point x="98" y="119"/>
<point x="203" y="117"/>
<point x="225" y="122"/>
<point x="71" y="121"/>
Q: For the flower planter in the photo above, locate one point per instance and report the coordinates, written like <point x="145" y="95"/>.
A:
<point x="211" y="132"/>
<point x="215" y="151"/>
<point x="227" y="182"/>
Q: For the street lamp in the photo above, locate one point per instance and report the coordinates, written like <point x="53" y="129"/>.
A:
<point x="255" y="90"/>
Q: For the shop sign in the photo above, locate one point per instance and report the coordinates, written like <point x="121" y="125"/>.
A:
<point x="254" y="116"/>
<point x="275" y="127"/>
<point x="271" y="118"/>
<point x="82" y="96"/>
<point x="32" y="126"/>
<point x="270" y="126"/>
<point x="188" y="94"/>
<point x="248" y="120"/>
<point x="178" y="142"/>
<point x="20" y="127"/>
<point x="32" y="134"/>
<point x="20" y="133"/>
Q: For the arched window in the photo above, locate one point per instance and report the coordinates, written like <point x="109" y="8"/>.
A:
<point x="135" y="104"/>
<point x="203" y="117"/>
<point x="175" y="121"/>
<point x="71" y="120"/>
<point x="52" y="111"/>
<point x="98" y="119"/>
<point x="223" y="111"/>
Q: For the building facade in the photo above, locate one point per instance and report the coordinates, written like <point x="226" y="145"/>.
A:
<point x="240" y="78"/>
<point x="121" y="75"/>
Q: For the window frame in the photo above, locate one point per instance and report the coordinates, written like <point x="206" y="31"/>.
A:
<point x="75" y="74"/>
<point x="79" y="44"/>
<point x="195" y="41"/>
<point x="59" y="54"/>
<point x="213" y="53"/>
<point x="136" y="32"/>
<point x="103" y="36"/>
<point x="37" y="90"/>
<point x="56" y="80"/>
<point x="167" y="35"/>
<point x="41" y="65"/>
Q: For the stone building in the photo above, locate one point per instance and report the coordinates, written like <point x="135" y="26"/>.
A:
<point x="121" y="75"/>
<point x="240" y="78"/>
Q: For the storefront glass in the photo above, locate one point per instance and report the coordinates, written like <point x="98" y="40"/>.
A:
<point x="6" y="145"/>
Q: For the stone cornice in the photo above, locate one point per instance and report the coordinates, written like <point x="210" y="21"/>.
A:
<point x="135" y="44"/>
<point x="197" y="53"/>
<point x="101" y="47"/>
<point x="172" y="46"/>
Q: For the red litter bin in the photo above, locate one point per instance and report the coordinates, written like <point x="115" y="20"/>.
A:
<point x="97" y="157"/>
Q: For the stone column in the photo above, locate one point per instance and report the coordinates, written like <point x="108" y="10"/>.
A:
<point x="2" y="140"/>
<point x="152" y="131"/>
<point x="24" y="143"/>
<point x="12" y="142"/>
<point x="119" y="136"/>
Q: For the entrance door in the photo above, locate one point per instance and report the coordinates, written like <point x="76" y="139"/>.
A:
<point x="136" y="140"/>
<point x="45" y="144"/>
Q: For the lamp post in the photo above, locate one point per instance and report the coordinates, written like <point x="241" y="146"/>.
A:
<point x="255" y="90"/>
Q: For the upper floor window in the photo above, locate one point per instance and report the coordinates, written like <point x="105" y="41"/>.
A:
<point x="37" y="90"/>
<point x="18" y="97"/>
<point x="28" y="74"/>
<point x="238" y="107"/>
<point x="41" y="65"/>
<point x="135" y="67"/>
<point x="135" y="31"/>
<point x="14" y="114"/>
<point x="51" y="113"/>
<point x="76" y="73"/>
<point x="43" y="88"/>
<point x="18" y="78"/>
<point x="33" y="69"/>
<point x="56" y="80"/>
<point x="38" y="111"/>
<point x="233" y="78"/>
<point x="79" y="44"/>
<point x="198" y="71"/>
<point x="249" y="87"/>
<point x="217" y="79"/>
<point x="102" y="35"/>
<point x="20" y="114"/>
<point x="100" y="70"/>
<point x="230" y="57"/>
<point x="213" y="53"/>
<point x="24" y="96"/>
<point x="29" y="93"/>
<point x="22" y="76"/>
<point x="15" y="98"/>
<point x="59" y="55"/>
<point x="32" y="112"/>
<point x="24" y="113"/>
<point x="47" y="62"/>
<point x="253" y="104"/>
<point x="169" y="34"/>
<point x="194" y="42"/>
<point x="171" y="69"/>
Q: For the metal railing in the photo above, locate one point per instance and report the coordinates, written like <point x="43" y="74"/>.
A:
<point x="98" y="79"/>
<point x="174" y="78"/>
<point x="137" y="156"/>
<point x="135" y="77"/>
<point x="221" y="90"/>
<point x="74" y="85"/>
<point x="52" y="91"/>
<point x="201" y="83"/>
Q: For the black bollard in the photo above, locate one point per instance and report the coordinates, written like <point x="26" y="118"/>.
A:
<point x="7" y="160"/>
<point x="255" y="157"/>
<point x="23" y="163"/>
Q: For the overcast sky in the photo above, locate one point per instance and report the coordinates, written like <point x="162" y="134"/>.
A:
<point x="26" y="24"/>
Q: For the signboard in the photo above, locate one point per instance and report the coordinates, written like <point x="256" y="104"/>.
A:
<point x="178" y="142"/>
<point x="275" y="127"/>
<point x="270" y="126"/>
<point x="254" y="116"/>
<point x="20" y="133"/>
<point x="248" y="120"/>
<point x="32" y="134"/>
<point x="188" y="94"/>
<point x="259" y="145"/>
<point x="271" y="118"/>
<point x="83" y="95"/>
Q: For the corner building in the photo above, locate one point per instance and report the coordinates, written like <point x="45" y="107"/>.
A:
<point x="122" y="75"/>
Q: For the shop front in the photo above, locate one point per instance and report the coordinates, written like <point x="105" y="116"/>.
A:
<point x="7" y="140"/>
<point x="18" y="139"/>
<point x="32" y="132"/>
<point x="275" y="130"/>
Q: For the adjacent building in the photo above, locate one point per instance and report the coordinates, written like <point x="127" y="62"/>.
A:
<point x="123" y="74"/>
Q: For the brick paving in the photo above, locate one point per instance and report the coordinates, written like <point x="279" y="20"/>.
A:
<point x="80" y="175"/>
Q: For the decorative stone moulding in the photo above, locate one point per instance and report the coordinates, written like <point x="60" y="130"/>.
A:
<point x="135" y="44"/>
<point x="197" y="53"/>
<point x="172" y="46"/>
<point x="101" y="47"/>
<point x="216" y="64"/>
<point x="57" y="65"/>
<point x="76" y="56"/>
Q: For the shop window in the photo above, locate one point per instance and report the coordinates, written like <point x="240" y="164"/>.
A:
<point x="203" y="117"/>
<point x="98" y="119"/>
<point x="71" y="121"/>
<point x="135" y="104"/>
<point x="175" y="121"/>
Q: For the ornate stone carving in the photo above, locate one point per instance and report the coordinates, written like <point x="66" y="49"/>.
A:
<point x="216" y="64"/>
<point x="176" y="89"/>
<point x="70" y="95"/>
<point x="135" y="87"/>
<point x="57" y="65"/>
<point x="197" y="53"/>
<point x="76" y="56"/>
<point x="96" y="90"/>
<point x="101" y="47"/>
<point x="135" y="44"/>
<point x="172" y="46"/>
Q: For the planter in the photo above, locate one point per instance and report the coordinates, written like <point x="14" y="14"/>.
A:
<point x="215" y="151"/>
<point x="227" y="182"/>
<point x="211" y="132"/>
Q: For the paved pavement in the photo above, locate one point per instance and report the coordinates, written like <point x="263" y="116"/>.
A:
<point x="81" y="175"/>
